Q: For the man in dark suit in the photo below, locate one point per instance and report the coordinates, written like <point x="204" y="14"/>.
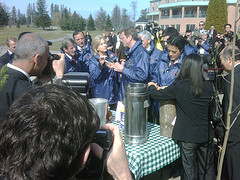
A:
<point x="8" y="56"/>
<point x="31" y="57"/>
<point x="231" y="161"/>
<point x="113" y="40"/>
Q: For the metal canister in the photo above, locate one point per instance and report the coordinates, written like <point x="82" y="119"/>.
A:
<point x="136" y="100"/>
<point x="101" y="107"/>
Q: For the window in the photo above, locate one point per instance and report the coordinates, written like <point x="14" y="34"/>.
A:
<point x="190" y="27"/>
<point x="153" y="3"/>
<point x="178" y="27"/>
<point x="166" y="1"/>
<point x="153" y="8"/>
<point x="173" y="25"/>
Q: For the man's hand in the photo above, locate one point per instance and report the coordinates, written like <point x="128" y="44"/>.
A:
<point x="117" y="163"/>
<point x="59" y="65"/>
<point x="118" y="67"/>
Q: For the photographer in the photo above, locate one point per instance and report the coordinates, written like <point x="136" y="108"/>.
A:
<point x="202" y="46"/>
<point x="30" y="59"/>
<point x="47" y="135"/>
<point x="228" y="34"/>
<point x="190" y="38"/>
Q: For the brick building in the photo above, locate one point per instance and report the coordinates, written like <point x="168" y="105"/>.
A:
<point x="184" y="14"/>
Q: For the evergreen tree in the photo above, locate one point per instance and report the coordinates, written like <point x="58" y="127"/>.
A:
<point x="4" y="17"/>
<point x="52" y="11"/>
<point x="108" y="24"/>
<point x="100" y="21"/>
<point x="33" y="12"/>
<point x="74" y="21"/>
<point x="42" y="18"/>
<point x="82" y="24"/>
<point x="14" y="15"/>
<point x="116" y="18"/>
<point x="29" y="14"/>
<point x="91" y="24"/>
<point x="64" y="21"/>
<point x="216" y="15"/>
<point x="126" y="22"/>
<point x="56" y="8"/>
<point x="22" y="19"/>
<point x="18" y="15"/>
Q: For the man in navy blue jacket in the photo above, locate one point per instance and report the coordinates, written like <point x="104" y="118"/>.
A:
<point x="136" y="67"/>
<point x="83" y="49"/>
<point x="153" y="52"/>
<point x="71" y="61"/>
<point x="8" y="56"/>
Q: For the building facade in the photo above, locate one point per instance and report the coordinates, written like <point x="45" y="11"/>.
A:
<point x="183" y="14"/>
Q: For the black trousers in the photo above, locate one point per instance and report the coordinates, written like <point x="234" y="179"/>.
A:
<point x="197" y="161"/>
<point x="231" y="164"/>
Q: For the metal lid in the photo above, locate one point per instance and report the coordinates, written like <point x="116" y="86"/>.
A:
<point x="136" y="88"/>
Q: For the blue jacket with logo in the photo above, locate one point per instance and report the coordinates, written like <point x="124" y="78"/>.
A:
<point x="205" y="46"/>
<point x="164" y="75"/>
<point x="70" y="64"/>
<point x="105" y="83"/>
<point x="84" y="56"/>
<point x="136" y="67"/>
<point x="155" y="56"/>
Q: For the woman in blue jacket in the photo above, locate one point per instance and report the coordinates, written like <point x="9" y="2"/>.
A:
<point x="169" y="66"/>
<point x="104" y="79"/>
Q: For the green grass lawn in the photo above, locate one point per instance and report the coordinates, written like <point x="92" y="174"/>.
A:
<point x="46" y="34"/>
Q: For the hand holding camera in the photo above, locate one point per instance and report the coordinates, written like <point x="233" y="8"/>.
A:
<point x="116" y="162"/>
<point x="59" y="65"/>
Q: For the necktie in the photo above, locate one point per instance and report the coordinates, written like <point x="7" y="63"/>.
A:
<point x="172" y="63"/>
<point x="74" y="59"/>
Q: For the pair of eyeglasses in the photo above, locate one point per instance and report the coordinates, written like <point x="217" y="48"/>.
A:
<point x="201" y="25"/>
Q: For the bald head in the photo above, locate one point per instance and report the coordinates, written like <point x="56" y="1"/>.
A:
<point x="29" y="45"/>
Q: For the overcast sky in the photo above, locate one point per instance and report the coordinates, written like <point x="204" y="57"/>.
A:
<point x="83" y="7"/>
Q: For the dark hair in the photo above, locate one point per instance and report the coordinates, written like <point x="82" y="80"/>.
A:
<point x="177" y="41"/>
<point x="76" y="32"/>
<point x="46" y="133"/>
<point x="130" y="32"/>
<point x="170" y="31"/>
<point x="192" y="69"/>
<point x="21" y="34"/>
<point x="228" y="25"/>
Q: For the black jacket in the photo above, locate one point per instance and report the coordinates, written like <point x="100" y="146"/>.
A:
<point x="17" y="83"/>
<point x="4" y="59"/>
<point x="192" y="124"/>
<point x="234" y="134"/>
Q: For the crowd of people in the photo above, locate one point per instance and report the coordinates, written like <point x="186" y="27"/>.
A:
<point x="171" y="64"/>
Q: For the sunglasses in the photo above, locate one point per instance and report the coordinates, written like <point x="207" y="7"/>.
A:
<point x="201" y="25"/>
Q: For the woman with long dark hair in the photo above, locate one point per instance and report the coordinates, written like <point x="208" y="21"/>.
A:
<point x="192" y="131"/>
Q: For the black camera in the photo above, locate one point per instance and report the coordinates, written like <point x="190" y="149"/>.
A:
<point x="48" y="70"/>
<point x="94" y="167"/>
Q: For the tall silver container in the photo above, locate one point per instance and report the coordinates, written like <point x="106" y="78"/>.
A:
<point x="136" y="100"/>
<point x="101" y="107"/>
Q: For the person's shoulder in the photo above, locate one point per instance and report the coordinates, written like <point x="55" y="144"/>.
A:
<point x="4" y="55"/>
<point x="4" y="58"/>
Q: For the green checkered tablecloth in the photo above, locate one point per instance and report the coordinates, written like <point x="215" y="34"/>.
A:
<point x="151" y="156"/>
